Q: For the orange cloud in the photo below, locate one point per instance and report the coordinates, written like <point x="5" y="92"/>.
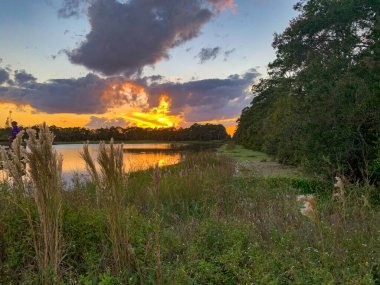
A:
<point x="157" y="117"/>
<point x="119" y="93"/>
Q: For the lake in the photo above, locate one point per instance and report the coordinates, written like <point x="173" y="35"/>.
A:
<point x="136" y="156"/>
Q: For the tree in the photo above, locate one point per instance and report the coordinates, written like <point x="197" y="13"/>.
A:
<point x="320" y="105"/>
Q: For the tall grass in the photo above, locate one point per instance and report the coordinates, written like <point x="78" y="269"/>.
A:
<point x="91" y="169"/>
<point x="45" y="167"/>
<point x="200" y="224"/>
<point x="14" y="162"/>
<point x="111" y="184"/>
<point x="43" y="182"/>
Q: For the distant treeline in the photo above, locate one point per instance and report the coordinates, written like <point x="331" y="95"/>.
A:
<point x="194" y="133"/>
<point x="320" y="105"/>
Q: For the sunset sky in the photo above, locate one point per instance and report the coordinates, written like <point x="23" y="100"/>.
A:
<point x="148" y="63"/>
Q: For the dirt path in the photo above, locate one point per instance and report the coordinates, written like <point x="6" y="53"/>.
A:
<point x="249" y="162"/>
<point x="267" y="168"/>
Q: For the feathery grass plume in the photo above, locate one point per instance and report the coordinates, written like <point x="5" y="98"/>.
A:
<point x="340" y="185"/>
<point x="309" y="207"/>
<point x="44" y="172"/>
<point x="111" y="183"/>
<point x="340" y="196"/>
<point x="91" y="169"/>
<point x="14" y="162"/>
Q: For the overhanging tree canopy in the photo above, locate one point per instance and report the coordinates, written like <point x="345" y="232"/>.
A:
<point x="320" y="105"/>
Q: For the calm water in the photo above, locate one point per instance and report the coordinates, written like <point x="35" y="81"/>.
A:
<point x="136" y="157"/>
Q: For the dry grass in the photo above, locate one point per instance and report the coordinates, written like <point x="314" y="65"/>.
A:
<point x="91" y="169"/>
<point x="13" y="162"/>
<point x="45" y="166"/>
<point x="111" y="188"/>
<point x="41" y="180"/>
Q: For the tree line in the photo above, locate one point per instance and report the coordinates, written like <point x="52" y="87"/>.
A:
<point x="319" y="107"/>
<point x="196" y="132"/>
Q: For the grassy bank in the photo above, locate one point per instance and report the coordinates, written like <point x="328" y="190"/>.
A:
<point x="201" y="222"/>
<point x="250" y="162"/>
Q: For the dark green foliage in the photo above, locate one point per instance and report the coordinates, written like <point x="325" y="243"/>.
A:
<point x="304" y="185"/>
<point x="320" y="105"/>
<point x="196" y="132"/>
<point x="85" y="232"/>
<point x="17" y="261"/>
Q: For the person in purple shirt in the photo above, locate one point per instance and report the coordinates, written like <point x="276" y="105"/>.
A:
<point x="15" y="131"/>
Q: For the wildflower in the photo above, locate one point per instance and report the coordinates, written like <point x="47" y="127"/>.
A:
<point x="309" y="206"/>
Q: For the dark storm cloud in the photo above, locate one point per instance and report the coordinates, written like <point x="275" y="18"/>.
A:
<point x="85" y="95"/>
<point x="199" y="100"/>
<point x="207" y="99"/>
<point x="22" y="77"/>
<point x="125" y="37"/>
<point x="207" y="54"/>
<point x="4" y="76"/>
<point x="82" y="95"/>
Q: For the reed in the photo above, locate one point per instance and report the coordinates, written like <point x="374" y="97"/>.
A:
<point x="91" y="169"/>
<point x="111" y="184"/>
<point x="41" y="180"/>
<point x="45" y="166"/>
<point x="14" y="163"/>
